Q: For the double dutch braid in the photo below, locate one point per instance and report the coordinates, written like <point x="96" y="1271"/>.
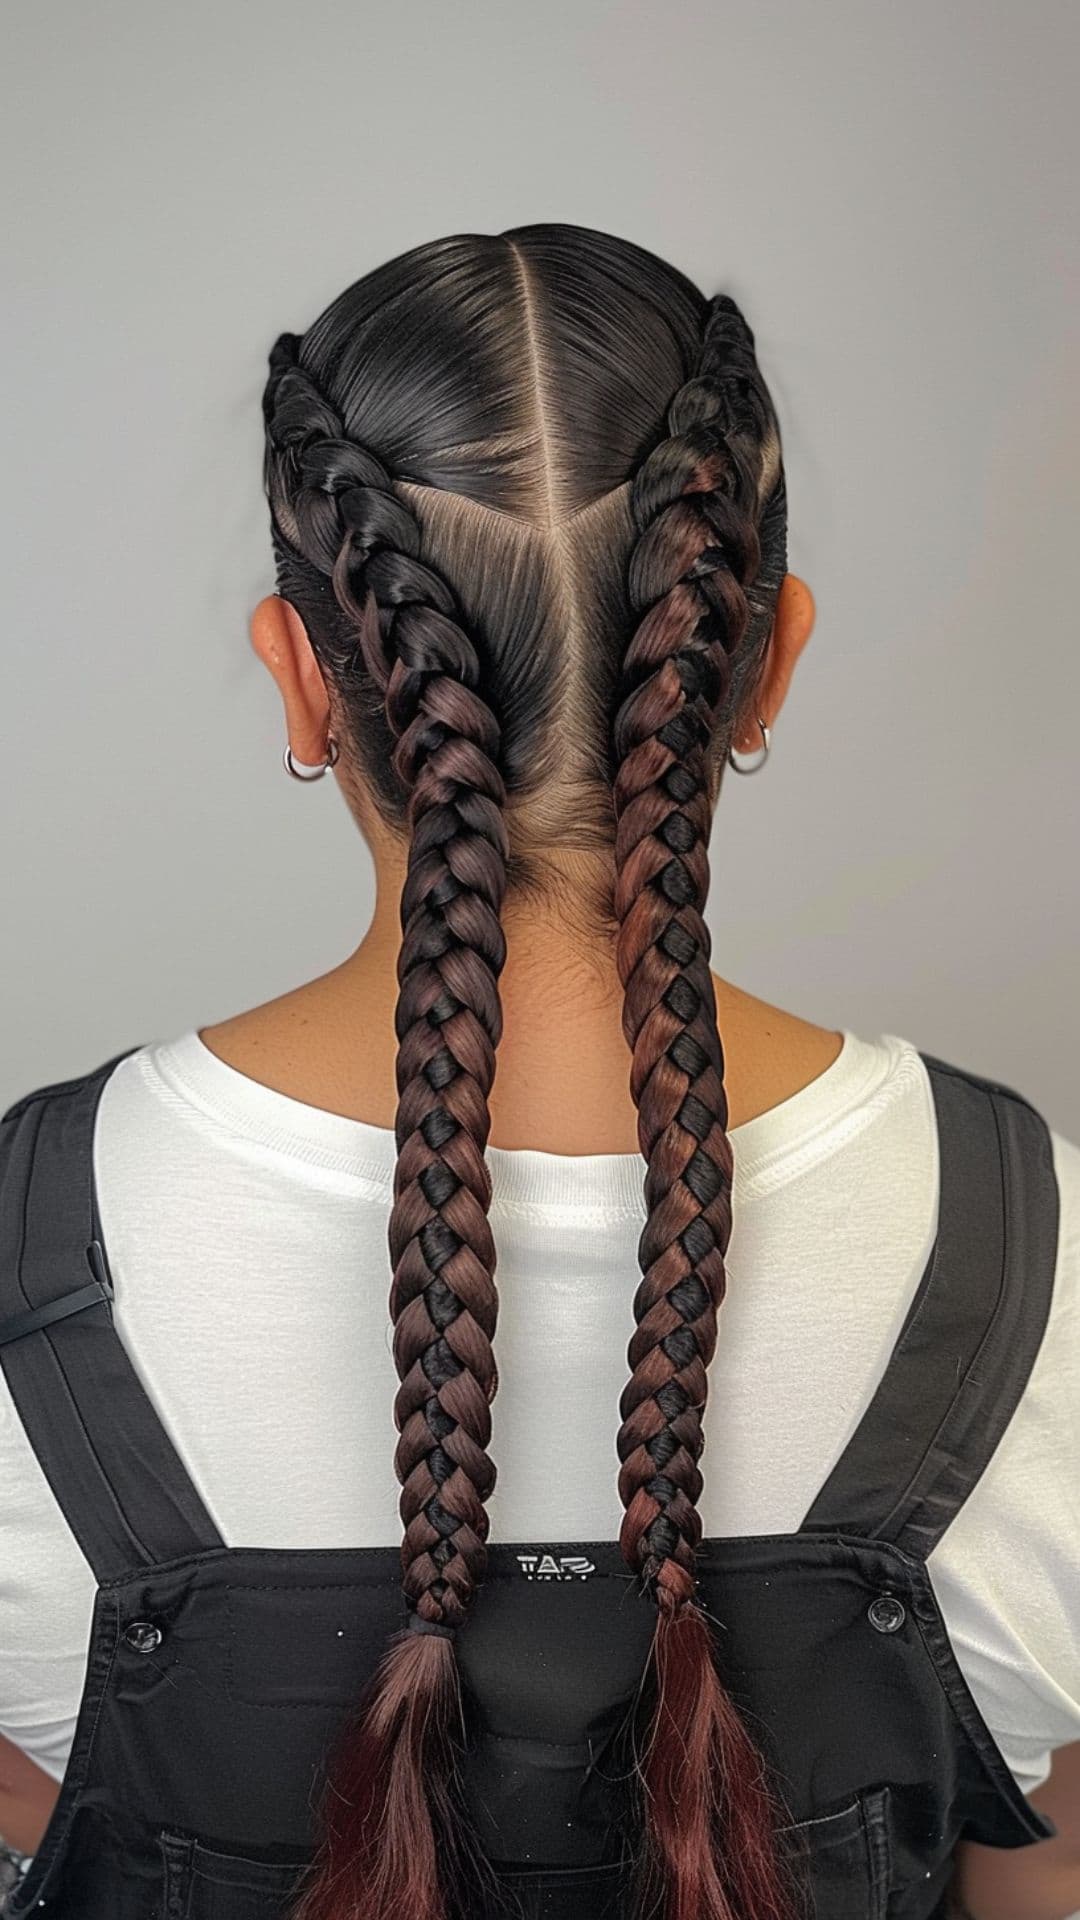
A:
<point x="696" y="545"/>
<point x="448" y="1021"/>
<point x="697" y="549"/>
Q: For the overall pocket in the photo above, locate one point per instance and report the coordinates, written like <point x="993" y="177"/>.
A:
<point x="843" y="1858"/>
<point x="563" y="1893"/>
<point x="200" y="1882"/>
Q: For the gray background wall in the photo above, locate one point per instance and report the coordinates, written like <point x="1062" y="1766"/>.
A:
<point x="890" y="194"/>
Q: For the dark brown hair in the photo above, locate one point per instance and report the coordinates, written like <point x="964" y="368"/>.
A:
<point x="527" y="495"/>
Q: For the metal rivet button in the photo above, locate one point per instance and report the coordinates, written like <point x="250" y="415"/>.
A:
<point x="886" y="1613"/>
<point x="143" y="1636"/>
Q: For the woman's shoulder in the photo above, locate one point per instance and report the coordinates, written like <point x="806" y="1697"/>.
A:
<point x="74" y="1082"/>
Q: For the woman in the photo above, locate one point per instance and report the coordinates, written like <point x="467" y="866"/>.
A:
<point x="529" y="518"/>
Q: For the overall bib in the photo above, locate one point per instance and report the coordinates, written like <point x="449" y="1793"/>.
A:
<point x="217" y="1675"/>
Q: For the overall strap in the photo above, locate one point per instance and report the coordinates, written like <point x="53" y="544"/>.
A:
<point x="972" y="1332"/>
<point x="112" y="1467"/>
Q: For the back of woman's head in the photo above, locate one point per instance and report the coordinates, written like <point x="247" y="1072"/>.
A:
<point x="527" y="497"/>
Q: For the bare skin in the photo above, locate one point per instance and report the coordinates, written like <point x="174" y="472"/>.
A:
<point x="331" y="1041"/>
<point x="27" y="1797"/>
<point x="562" y="1078"/>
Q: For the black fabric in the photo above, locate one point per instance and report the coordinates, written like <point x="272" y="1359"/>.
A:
<point x="113" y="1469"/>
<point x="218" y="1677"/>
<point x="931" y="1427"/>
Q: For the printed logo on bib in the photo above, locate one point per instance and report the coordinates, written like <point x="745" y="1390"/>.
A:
<point x="551" y="1566"/>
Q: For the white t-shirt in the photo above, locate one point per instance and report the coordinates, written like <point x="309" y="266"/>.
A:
<point x="246" y="1233"/>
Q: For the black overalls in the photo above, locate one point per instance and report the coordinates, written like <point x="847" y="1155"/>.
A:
<point x="216" y="1675"/>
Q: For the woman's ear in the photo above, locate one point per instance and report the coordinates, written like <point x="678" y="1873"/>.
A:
<point x="793" y="624"/>
<point x="279" y="637"/>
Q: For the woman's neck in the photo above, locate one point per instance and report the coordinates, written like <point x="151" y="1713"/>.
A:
<point x="561" y="1081"/>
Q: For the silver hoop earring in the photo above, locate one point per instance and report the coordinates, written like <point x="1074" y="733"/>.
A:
<point x="758" y="764"/>
<point x="301" y="771"/>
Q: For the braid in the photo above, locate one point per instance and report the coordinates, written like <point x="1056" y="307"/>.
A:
<point x="397" y="1776"/>
<point x="515" y="380"/>
<point x="697" y="549"/>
